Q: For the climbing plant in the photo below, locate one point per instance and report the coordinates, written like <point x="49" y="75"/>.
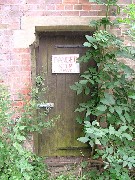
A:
<point x="16" y="127"/>
<point x="130" y="19"/>
<point x="110" y="107"/>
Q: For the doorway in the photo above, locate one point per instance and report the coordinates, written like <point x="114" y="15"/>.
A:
<point x="61" y="140"/>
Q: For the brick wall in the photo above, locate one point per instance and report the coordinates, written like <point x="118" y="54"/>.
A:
<point x="16" y="19"/>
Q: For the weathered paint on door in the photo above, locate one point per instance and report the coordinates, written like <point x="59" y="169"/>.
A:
<point x="61" y="140"/>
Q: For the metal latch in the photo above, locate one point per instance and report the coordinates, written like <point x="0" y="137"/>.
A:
<point x="47" y="106"/>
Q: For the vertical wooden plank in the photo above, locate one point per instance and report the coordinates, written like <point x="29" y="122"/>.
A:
<point x="70" y="101"/>
<point x="79" y="99"/>
<point x="41" y="68"/>
<point x="62" y="135"/>
<point x="51" y="139"/>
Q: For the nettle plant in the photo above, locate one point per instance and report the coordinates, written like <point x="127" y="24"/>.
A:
<point x="110" y="109"/>
<point x="16" y="127"/>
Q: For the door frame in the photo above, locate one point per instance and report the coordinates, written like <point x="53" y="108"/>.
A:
<point x="50" y="30"/>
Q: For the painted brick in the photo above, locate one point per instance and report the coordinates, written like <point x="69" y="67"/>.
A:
<point x="70" y="13"/>
<point x="34" y="13"/>
<point x="88" y="13"/>
<point x="70" y="2"/>
<point x="86" y="7"/>
<point x="21" y="50"/>
<point x="78" y="7"/>
<point x="84" y="2"/>
<point x="53" y="1"/>
<point x="13" y="1"/>
<point x="96" y="7"/>
<point x="53" y="13"/>
<point x="124" y="1"/>
<point x="102" y="13"/>
<point x="69" y="7"/>
<point x="25" y="56"/>
<point x="6" y="7"/>
<point x="50" y="7"/>
<point x="33" y="1"/>
<point x="14" y="26"/>
<point x="60" y="7"/>
<point x="14" y="7"/>
<point x="3" y="1"/>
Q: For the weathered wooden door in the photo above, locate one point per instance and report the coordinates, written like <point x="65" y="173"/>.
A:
<point x="61" y="140"/>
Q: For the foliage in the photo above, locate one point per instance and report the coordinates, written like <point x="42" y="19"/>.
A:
<point x="65" y="177"/>
<point x="110" y="88"/>
<point x="16" y="127"/>
<point x="130" y="19"/>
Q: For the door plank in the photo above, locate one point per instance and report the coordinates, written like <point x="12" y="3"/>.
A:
<point x="61" y="140"/>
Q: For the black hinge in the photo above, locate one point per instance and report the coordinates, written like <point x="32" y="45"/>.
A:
<point x="69" y="46"/>
<point x="73" y="148"/>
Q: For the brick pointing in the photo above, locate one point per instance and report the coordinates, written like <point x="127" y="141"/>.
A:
<point x="15" y="62"/>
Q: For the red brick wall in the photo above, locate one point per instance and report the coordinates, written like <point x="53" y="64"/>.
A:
<point x="15" y="63"/>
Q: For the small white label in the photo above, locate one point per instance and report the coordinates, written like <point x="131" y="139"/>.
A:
<point x="65" y="63"/>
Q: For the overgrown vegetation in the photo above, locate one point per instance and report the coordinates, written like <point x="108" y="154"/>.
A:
<point x="130" y="20"/>
<point x="110" y="88"/>
<point x="16" y="127"/>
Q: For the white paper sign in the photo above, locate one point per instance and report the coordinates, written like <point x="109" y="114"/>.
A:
<point x="65" y="63"/>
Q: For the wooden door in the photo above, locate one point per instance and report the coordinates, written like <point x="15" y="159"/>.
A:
<point x="61" y="140"/>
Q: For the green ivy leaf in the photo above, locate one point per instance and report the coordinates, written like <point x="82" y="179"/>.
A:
<point x="74" y="87"/>
<point x="95" y="46"/>
<point x="22" y="127"/>
<point x="127" y="136"/>
<point x="97" y="141"/>
<point x="83" y="139"/>
<point x="132" y="96"/>
<point x="79" y="120"/>
<point x="83" y="82"/>
<point x="102" y="108"/>
<point x="109" y="98"/>
<point x="118" y="109"/>
<point x="111" y="109"/>
<point x="125" y="157"/>
<point x="91" y="143"/>
<point x="20" y="138"/>
<point x="123" y="128"/>
<point x="88" y="112"/>
<point x="127" y="116"/>
<point x="111" y="130"/>
<point x="130" y="165"/>
<point x="81" y="109"/>
<point x="87" y="90"/>
<point x="87" y="44"/>
<point x="131" y="159"/>
<point x="110" y="150"/>
<point x="91" y="39"/>
<point x="125" y="163"/>
<point x="95" y="123"/>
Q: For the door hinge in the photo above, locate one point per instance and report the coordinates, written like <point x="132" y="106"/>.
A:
<point x="73" y="148"/>
<point x="69" y="46"/>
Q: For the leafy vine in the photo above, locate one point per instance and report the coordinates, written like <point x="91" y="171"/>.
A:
<point x="110" y="87"/>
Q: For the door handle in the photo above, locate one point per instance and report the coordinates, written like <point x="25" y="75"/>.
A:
<point x="47" y="106"/>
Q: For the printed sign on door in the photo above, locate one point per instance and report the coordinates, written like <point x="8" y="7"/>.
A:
<point x="65" y="63"/>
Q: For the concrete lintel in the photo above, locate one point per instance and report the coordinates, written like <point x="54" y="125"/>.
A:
<point x="24" y="37"/>
<point x="30" y="21"/>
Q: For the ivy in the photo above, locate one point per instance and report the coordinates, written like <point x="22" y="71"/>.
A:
<point x="16" y="127"/>
<point x="110" y="88"/>
<point x="130" y="19"/>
